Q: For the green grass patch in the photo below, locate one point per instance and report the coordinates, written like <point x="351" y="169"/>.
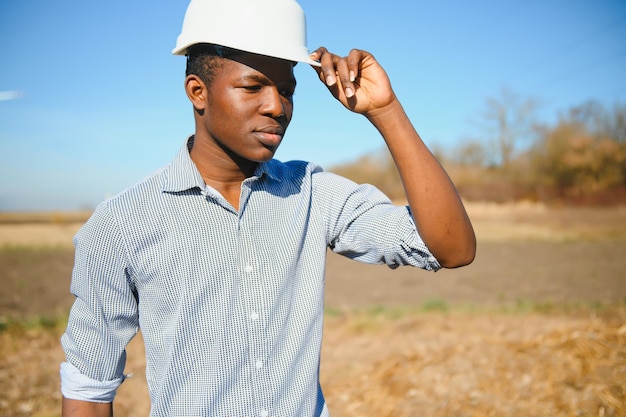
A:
<point x="37" y="322"/>
<point x="439" y="306"/>
<point x="435" y="304"/>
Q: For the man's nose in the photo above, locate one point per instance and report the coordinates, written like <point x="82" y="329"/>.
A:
<point x="273" y="103"/>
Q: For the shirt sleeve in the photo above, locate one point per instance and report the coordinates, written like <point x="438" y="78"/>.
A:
<point x="76" y="386"/>
<point x="104" y="317"/>
<point x="364" y="225"/>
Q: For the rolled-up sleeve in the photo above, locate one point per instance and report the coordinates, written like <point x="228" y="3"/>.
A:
<point x="76" y="386"/>
<point x="365" y="226"/>
<point x="104" y="316"/>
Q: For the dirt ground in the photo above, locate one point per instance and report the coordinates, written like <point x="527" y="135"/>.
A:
<point x="536" y="326"/>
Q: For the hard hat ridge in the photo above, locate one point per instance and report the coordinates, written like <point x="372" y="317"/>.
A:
<point x="275" y="28"/>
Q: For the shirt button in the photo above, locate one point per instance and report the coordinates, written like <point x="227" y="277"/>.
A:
<point x="249" y="268"/>
<point x="265" y="413"/>
<point x="254" y="316"/>
<point x="258" y="364"/>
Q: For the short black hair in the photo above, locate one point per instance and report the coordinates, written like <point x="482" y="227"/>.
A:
<point x="204" y="58"/>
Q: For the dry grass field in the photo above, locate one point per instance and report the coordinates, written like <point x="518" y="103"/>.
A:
<point x="536" y="326"/>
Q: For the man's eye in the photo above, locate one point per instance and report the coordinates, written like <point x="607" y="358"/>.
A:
<point x="253" y="87"/>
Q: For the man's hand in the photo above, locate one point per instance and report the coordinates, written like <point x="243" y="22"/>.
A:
<point x="357" y="80"/>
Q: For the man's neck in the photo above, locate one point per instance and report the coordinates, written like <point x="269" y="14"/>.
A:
<point x="220" y="169"/>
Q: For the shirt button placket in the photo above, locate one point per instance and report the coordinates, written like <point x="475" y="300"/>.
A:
<point x="252" y="297"/>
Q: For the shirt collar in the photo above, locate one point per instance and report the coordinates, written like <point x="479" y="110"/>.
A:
<point x="182" y="174"/>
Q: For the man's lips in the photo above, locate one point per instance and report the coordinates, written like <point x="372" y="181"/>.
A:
<point x="271" y="135"/>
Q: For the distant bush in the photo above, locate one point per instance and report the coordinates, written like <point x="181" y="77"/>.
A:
<point x="580" y="163"/>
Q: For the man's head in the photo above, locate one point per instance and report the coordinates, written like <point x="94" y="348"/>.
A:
<point x="240" y="59"/>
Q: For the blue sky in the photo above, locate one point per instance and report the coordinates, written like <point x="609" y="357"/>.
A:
<point x="91" y="99"/>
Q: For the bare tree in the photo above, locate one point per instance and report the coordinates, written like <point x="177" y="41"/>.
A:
<point x="510" y="122"/>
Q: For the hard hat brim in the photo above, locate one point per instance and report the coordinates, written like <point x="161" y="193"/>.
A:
<point x="304" y="58"/>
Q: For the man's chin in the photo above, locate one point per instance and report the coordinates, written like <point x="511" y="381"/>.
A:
<point x="268" y="155"/>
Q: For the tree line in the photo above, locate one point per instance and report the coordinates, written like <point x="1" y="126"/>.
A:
<point x="580" y="159"/>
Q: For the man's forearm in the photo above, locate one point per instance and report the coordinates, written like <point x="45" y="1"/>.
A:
<point x="435" y="203"/>
<point x="76" y="408"/>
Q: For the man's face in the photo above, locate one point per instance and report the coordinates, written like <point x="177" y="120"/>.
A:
<point x="249" y="105"/>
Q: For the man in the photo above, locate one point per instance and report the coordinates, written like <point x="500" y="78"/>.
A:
<point x="219" y="257"/>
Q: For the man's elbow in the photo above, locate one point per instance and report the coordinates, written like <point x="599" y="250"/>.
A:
<point x="462" y="256"/>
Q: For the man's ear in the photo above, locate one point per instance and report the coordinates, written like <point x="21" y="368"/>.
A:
<point x="196" y="91"/>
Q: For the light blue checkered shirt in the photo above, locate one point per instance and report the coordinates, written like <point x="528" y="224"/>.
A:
<point x="230" y="304"/>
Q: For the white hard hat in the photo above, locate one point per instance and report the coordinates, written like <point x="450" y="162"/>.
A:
<point x="275" y="28"/>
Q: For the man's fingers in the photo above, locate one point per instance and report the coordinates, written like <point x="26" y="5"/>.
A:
<point x="343" y="72"/>
<point x="335" y="69"/>
<point x="354" y="63"/>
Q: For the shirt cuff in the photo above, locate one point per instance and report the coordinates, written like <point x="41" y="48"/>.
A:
<point x="417" y="252"/>
<point x="76" y="386"/>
